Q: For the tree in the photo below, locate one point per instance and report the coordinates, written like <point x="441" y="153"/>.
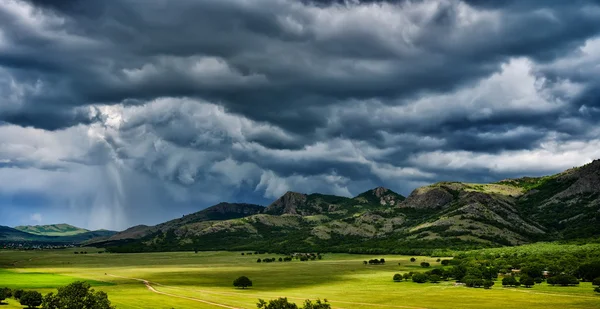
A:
<point x="597" y="289"/>
<point x="563" y="280"/>
<point x="527" y="281"/>
<point x="280" y="303"/>
<point x="258" y="261"/>
<point x="425" y="264"/>
<point x="420" y="278"/>
<point x="77" y="295"/>
<point x="509" y="281"/>
<point x="596" y="282"/>
<point x="242" y="282"/>
<point x="31" y="299"/>
<point x="445" y="262"/>
<point x="434" y="278"/>
<point x="17" y="294"/>
<point x="487" y="284"/>
<point x="538" y="280"/>
<point x="365" y="262"/>
<point x="397" y="278"/>
<point x="413" y="259"/>
<point x="50" y="301"/>
<point x="317" y="305"/>
<point x="4" y="294"/>
<point x="382" y="261"/>
<point x="407" y="276"/>
<point x="473" y="282"/>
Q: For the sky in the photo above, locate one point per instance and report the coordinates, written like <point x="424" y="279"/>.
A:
<point x="125" y="112"/>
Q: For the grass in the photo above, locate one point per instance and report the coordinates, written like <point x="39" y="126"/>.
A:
<point x="208" y="276"/>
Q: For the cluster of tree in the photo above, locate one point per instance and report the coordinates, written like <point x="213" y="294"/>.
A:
<point x="563" y="280"/>
<point x="270" y="260"/>
<point x="283" y="303"/>
<point x="31" y="299"/>
<point x="374" y="262"/>
<point x="75" y="295"/>
<point x="82" y="252"/>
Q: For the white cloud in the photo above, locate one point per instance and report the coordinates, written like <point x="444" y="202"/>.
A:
<point x="36" y="217"/>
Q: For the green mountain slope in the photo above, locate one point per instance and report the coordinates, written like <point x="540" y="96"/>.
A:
<point x="442" y="215"/>
<point x="51" y="230"/>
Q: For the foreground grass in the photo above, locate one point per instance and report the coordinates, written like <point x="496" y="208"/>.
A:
<point x="207" y="276"/>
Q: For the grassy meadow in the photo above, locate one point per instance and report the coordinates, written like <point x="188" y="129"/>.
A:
<point x="204" y="280"/>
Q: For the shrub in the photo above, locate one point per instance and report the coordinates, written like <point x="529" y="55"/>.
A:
<point x="597" y="289"/>
<point x="242" y="282"/>
<point x="425" y="264"/>
<point x="434" y="278"/>
<point x="397" y="278"/>
<point x="420" y="278"/>
<point x="413" y="259"/>
<point x="258" y="261"/>
<point x="487" y="284"/>
<point x="473" y="282"/>
<point x="31" y="299"/>
<point x="596" y="282"/>
<point x="538" y="280"/>
<point x="445" y="262"/>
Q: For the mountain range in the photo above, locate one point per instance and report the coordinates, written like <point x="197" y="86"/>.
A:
<point x="447" y="215"/>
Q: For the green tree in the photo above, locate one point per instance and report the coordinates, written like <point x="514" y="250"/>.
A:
<point x="434" y="278"/>
<point x="280" y="303"/>
<point x="597" y="289"/>
<point x="50" y="301"/>
<point x="487" y="284"/>
<point x="31" y="299"/>
<point x="17" y="294"/>
<point x="445" y="262"/>
<point x="425" y="264"/>
<point x="420" y="278"/>
<point x="77" y="295"/>
<point x="509" y="281"/>
<point x="318" y="304"/>
<point x="596" y="282"/>
<point x="242" y="282"/>
<point x="397" y="278"/>
<point x="4" y="294"/>
<point x="527" y="281"/>
<point x="413" y="259"/>
<point x="538" y="280"/>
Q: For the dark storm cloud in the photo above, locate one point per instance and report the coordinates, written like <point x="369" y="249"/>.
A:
<point x="205" y="100"/>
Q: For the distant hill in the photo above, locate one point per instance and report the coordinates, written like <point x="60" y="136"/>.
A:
<point x="450" y="215"/>
<point x="52" y="230"/>
<point x="8" y="234"/>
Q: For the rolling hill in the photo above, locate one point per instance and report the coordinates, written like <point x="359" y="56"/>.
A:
<point x="51" y="230"/>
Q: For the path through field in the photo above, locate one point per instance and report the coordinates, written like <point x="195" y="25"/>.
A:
<point x="151" y="288"/>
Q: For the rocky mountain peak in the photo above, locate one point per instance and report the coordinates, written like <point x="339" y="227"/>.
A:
<point x="287" y="204"/>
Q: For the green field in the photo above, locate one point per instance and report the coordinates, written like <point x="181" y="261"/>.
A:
<point x="204" y="280"/>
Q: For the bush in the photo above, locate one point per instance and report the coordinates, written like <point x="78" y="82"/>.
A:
<point x="420" y="278"/>
<point x="538" y="280"/>
<point x="487" y="284"/>
<point x="597" y="289"/>
<point x="31" y="299"/>
<point x="434" y="278"/>
<point x="242" y="282"/>
<point x="397" y="278"/>
<point x="445" y="262"/>
<point x="425" y="264"/>
<point x="413" y="259"/>
<point x="596" y="282"/>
